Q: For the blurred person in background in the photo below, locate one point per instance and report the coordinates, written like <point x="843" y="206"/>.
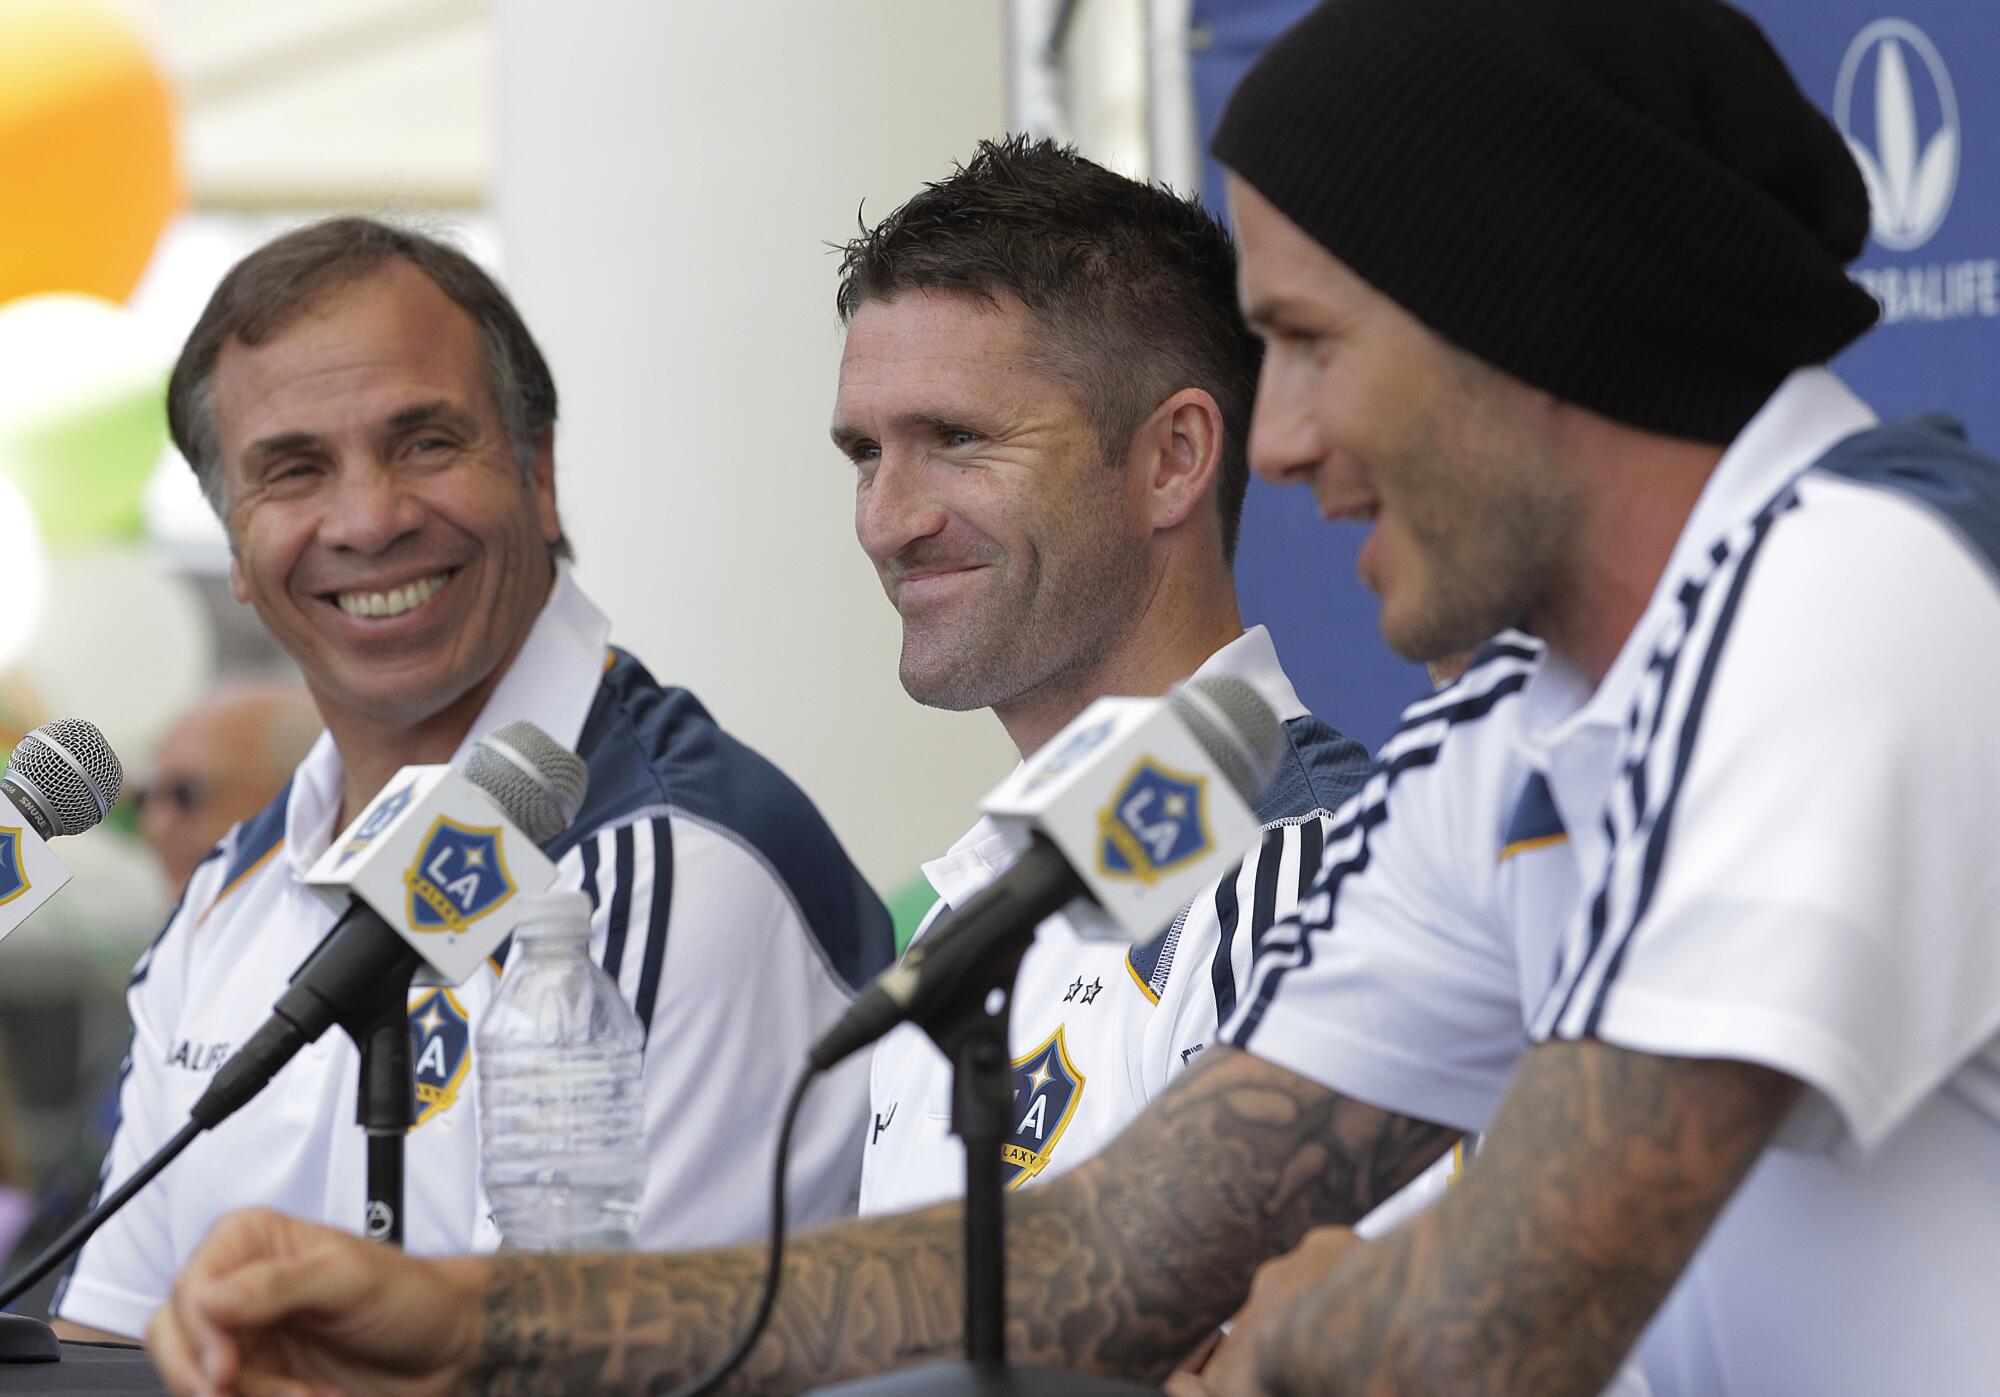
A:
<point x="219" y="763"/>
<point x="376" y="428"/>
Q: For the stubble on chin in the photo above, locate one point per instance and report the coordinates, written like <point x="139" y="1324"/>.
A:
<point x="941" y="675"/>
<point x="1446" y="633"/>
<point x="1482" y="581"/>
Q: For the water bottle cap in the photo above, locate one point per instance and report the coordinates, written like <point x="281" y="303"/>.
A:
<point x="544" y="914"/>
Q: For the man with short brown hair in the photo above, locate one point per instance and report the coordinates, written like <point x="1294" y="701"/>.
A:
<point x="1045" y="393"/>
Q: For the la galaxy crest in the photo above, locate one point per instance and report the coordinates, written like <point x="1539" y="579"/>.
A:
<point x="440" y="1051"/>
<point x="13" y="872"/>
<point x="1047" y="1089"/>
<point x="379" y="819"/>
<point x="460" y="875"/>
<point x="1154" y="824"/>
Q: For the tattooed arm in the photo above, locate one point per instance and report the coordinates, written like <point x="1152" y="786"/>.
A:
<point x="1120" y="1265"/>
<point x="1538" y="1271"/>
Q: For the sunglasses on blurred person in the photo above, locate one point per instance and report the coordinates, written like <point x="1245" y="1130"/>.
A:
<point x="180" y="794"/>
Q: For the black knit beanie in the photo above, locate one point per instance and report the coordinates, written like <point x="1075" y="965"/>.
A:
<point x="1628" y="203"/>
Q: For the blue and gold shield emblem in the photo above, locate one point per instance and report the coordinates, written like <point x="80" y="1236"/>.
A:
<point x="460" y="875"/>
<point x="440" y="1051"/>
<point x="13" y="873"/>
<point x="1047" y="1089"/>
<point x="1154" y="824"/>
<point x="379" y="819"/>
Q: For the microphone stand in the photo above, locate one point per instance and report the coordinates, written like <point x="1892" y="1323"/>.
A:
<point x="385" y="1097"/>
<point x="971" y="1027"/>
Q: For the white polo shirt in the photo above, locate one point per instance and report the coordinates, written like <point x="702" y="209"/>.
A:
<point x="724" y="908"/>
<point x="1101" y="1028"/>
<point x="1769" y="834"/>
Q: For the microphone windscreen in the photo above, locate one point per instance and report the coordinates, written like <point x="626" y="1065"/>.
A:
<point x="1237" y="729"/>
<point x="73" y="769"/>
<point x="535" y="779"/>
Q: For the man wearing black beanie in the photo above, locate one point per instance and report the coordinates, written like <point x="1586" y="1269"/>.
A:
<point x="1548" y="287"/>
<point x="1684" y="894"/>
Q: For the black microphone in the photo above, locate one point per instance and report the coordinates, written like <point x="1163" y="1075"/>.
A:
<point x="537" y="787"/>
<point x="1107" y="822"/>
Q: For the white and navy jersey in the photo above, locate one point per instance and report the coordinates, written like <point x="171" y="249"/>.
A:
<point x="724" y="908"/>
<point x="1101" y="1028"/>
<point x="1767" y="835"/>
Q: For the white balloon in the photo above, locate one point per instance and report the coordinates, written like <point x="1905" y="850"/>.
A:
<point x="24" y="574"/>
<point x="62" y="353"/>
<point x="123" y="642"/>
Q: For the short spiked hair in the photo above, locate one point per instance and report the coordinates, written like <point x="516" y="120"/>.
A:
<point x="1132" y="287"/>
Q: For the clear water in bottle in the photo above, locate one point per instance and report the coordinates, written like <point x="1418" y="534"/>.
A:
<point x="560" y="1058"/>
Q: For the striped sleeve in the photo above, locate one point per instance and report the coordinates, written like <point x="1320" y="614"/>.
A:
<point x="1196" y="973"/>
<point x="715" y="956"/>
<point x="1800" y="866"/>
<point x="1394" y="983"/>
<point x="627" y="870"/>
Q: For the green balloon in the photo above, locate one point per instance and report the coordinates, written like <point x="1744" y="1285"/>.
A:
<point x="82" y="413"/>
<point x="84" y="469"/>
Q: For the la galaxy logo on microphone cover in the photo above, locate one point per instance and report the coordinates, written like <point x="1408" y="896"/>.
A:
<point x="460" y="875"/>
<point x="379" y="819"/>
<point x="1047" y="1088"/>
<point x="1153" y="825"/>
<point x="13" y="873"/>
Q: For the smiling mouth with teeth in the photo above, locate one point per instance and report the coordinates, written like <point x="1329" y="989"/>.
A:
<point x="394" y="602"/>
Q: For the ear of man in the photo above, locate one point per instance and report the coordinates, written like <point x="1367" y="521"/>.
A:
<point x="1177" y="451"/>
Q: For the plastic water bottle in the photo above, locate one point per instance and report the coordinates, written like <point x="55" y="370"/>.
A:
<point x="559" y="1054"/>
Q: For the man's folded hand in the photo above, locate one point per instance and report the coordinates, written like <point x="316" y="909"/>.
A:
<point x="272" y="1305"/>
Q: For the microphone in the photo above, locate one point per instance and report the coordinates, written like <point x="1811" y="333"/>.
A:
<point x="1131" y="808"/>
<point x="427" y="876"/>
<point x="61" y="779"/>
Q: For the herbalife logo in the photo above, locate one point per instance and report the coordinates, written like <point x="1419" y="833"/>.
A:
<point x="1912" y="168"/>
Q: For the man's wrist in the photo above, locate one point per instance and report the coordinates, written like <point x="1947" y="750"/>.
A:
<point x="467" y="1281"/>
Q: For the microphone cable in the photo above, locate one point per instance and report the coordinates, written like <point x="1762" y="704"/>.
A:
<point x="84" y="1227"/>
<point x="775" y="1259"/>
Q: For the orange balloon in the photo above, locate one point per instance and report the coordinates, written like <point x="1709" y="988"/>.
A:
<point x="87" y="170"/>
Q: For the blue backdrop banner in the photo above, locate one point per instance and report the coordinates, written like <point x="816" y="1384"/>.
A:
<point x="1911" y="90"/>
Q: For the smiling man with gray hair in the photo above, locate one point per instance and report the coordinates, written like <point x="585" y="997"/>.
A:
<point x="376" y="427"/>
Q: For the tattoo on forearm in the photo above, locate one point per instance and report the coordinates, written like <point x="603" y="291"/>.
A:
<point x="1602" y="1173"/>
<point x="1122" y="1265"/>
